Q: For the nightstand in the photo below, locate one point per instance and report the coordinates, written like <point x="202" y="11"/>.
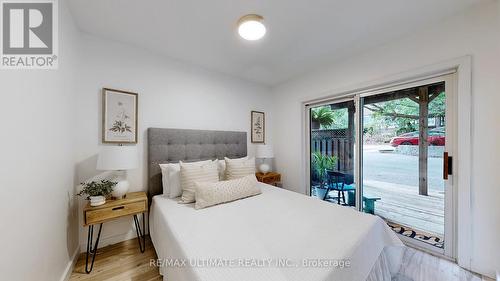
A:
<point x="272" y="178"/>
<point x="133" y="204"/>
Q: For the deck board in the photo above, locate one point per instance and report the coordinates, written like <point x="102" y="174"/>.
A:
<point x="403" y="205"/>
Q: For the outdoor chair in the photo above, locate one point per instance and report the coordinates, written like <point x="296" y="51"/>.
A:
<point x="337" y="181"/>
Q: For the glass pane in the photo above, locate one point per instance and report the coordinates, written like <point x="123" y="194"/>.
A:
<point x="402" y="175"/>
<point x="332" y="153"/>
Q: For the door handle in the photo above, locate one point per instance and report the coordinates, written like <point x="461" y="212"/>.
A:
<point x="447" y="165"/>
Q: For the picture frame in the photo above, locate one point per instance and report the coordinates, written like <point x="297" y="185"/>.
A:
<point x="258" y="127"/>
<point x="119" y="116"/>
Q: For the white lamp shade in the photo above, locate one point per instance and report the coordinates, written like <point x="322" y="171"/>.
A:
<point x="117" y="158"/>
<point x="265" y="151"/>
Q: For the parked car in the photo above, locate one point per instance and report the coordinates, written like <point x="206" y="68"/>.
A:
<point x="436" y="137"/>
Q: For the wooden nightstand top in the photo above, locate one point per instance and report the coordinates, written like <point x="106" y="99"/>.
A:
<point x="129" y="198"/>
<point x="133" y="203"/>
<point x="270" y="174"/>
<point x="269" y="178"/>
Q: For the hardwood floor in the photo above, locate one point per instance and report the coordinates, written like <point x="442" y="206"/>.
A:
<point x="124" y="261"/>
<point x="120" y="262"/>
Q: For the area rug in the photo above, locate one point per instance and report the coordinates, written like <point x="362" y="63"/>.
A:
<point x="417" y="235"/>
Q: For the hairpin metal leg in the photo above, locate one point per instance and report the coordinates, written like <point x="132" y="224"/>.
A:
<point x="141" y="233"/>
<point x="90" y="249"/>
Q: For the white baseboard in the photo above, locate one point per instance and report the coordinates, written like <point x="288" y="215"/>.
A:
<point x="71" y="264"/>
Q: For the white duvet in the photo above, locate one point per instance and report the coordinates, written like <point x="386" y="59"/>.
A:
<point x="278" y="235"/>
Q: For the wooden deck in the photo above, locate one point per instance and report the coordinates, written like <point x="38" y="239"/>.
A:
<point x="403" y="205"/>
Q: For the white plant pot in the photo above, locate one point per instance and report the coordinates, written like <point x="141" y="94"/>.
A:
<point x="97" y="200"/>
<point x="320" y="192"/>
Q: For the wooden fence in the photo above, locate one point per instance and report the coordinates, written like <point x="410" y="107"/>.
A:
<point x="338" y="142"/>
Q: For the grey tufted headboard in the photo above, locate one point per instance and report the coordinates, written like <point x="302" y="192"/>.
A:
<point x="172" y="145"/>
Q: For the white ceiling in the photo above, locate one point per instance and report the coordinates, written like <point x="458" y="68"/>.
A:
<point x="302" y="35"/>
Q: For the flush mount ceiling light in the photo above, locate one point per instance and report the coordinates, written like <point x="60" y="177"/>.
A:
<point x="251" y="27"/>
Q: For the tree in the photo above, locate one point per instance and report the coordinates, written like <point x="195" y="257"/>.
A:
<point x="330" y="119"/>
<point x="321" y="116"/>
<point x="340" y="119"/>
<point x="403" y="114"/>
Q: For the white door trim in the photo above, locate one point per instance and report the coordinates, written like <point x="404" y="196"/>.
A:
<point x="306" y="144"/>
<point x="463" y="168"/>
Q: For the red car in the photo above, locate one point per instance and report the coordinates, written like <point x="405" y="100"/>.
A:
<point x="436" y="137"/>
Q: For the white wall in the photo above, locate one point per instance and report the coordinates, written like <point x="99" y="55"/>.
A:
<point x="476" y="32"/>
<point x="171" y="95"/>
<point x="39" y="214"/>
<point x="52" y="114"/>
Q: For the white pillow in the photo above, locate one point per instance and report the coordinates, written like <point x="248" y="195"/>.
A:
<point x="205" y="172"/>
<point x="165" y="179"/>
<point x="238" y="168"/>
<point x="221" y="166"/>
<point x="209" y="194"/>
<point x="171" y="178"/>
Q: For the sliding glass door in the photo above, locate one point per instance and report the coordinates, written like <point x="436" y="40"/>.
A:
<point x="331" y="155"/>
<point x="387" y="152"/>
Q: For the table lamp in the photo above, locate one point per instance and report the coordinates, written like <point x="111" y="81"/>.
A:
<point x="264" y="152"/>
<point x="118" y="158"/>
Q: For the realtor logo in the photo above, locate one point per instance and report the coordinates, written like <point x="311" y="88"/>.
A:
<point x="29" y="34"/>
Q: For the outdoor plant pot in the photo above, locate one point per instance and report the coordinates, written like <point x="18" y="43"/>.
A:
<point x="315" y="125"/>
<point x="97" y="200"/>
<point x="320" y="192"/>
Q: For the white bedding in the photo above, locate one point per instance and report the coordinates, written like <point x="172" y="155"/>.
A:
<point x="276" y="226"/>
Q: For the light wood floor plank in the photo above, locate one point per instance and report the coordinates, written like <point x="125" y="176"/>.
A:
<point x="119" y="262"/>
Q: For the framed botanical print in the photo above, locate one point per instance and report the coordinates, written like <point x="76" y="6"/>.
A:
<point x="119" y="116"/>
<point x="258" y="127"/>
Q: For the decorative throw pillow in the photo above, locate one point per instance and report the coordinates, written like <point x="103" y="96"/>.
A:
<point x="238" y="168"/>
<point x="222" y="167"/>
<point x="209" y="194"/>
<point x="171" y="178"/>
<point x="206" y="172"/>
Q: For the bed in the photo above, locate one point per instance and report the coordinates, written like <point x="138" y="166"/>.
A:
<point x="277" y="235"/>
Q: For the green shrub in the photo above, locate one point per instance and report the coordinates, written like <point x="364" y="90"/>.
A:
<point x="322" y="163"/>
<point x="322" y="115"/>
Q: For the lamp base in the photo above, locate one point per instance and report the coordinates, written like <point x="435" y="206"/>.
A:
<point x="120" y="189"/>
<point x="264" y="168"/>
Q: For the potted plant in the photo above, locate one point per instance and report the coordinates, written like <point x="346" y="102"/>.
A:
<point x="321" y="116"/>
<point x="322" y="163"/>
<point x="97" y="192"/>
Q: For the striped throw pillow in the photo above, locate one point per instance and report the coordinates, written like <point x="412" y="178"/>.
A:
<point x="238" y="168"/>
<point x="171" y="177"/>
<point x="206" y="172"/>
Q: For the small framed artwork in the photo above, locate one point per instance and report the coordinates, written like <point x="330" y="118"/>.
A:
<point x="119" y="116"/>
<point x="258" y="127"/>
